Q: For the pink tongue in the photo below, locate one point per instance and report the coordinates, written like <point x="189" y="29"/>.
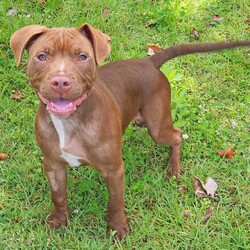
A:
<point x="62" y="104"/>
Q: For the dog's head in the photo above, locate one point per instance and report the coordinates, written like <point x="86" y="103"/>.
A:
<point x="62" y="62"/>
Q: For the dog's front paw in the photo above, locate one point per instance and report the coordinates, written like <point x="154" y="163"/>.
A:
<point x="57" y="219"/>
<point x="122" y="228"/>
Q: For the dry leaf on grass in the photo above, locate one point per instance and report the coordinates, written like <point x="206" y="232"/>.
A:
<point x="150" y="52"/>
<point x="3" y="156"/>
<point x="210" y="186"/>
<point x="182" y="189"/>
<point x="11" y="11"/>
<point x="42" y="3"/>
<point x="227" y="153"/>
<point x="153" y="49"/>
<point x="151" y="203"/>
<point x="17" y="95"/>
<point x="187" y="214"/>
<point x="105" y="13"/>
<point x="205" y="190"/>
<point x="197" y="190"/>
<point x="209" y="24"/>
<point x="217" y="18"/>
<point x="209" y="213"/>
<point x="196" y="33"/>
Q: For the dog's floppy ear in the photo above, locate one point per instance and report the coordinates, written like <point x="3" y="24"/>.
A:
<point x="21" y="39"/>
<point x="99" y="40"/>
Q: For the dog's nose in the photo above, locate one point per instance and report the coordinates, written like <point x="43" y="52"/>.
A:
<point x="61" y="83"/>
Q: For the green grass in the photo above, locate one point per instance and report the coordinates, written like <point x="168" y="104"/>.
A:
<point x="210" y="103"/>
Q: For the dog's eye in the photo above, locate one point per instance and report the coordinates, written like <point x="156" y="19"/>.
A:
<point x="42" y="57"/>
<point x="82" y="57"/>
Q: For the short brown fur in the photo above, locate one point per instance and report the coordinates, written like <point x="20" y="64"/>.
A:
<point x="116" y="93"/>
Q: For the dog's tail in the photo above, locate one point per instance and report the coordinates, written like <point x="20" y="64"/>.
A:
<point x="179" y="50"/>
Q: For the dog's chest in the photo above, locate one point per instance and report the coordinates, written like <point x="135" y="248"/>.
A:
<point x="68" y="144"/>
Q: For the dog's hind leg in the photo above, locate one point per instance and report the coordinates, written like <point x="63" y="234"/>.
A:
<point x="156" y="113"/>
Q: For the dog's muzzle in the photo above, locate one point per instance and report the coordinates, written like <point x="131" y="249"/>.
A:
<point x="62" y="106"/>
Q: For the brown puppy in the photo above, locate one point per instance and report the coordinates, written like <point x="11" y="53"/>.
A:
<point x="84" y="109"/>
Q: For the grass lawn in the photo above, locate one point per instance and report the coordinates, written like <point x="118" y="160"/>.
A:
<point x="210" y="100"/>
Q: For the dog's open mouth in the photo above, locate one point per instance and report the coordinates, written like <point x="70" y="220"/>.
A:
<point x="62" y="106"/>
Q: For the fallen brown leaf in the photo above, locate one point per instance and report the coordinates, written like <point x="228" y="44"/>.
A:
<point x="207" y="189"/>
<point x="228" y="153"/>
<point x="152" y="49"/>
<point x="105" y="13"/>
<point x="17" y="95"/>
<point x="217" y="18"/>
<point x="209" y="24"/>
<point x="11" y="11"/>
<point x="29" y="242"/>
<point x="186" y="213"/>
<point x="155" y="47"/>
<point x="196" y="33"/>
<point x="150" y="52"/>
<point x="197" y="190"/>
<point x="42" y="3"/>
<point x="3" y="156"/>
<point x="182" y="190"/>
<point x="210" y="186"/>
<point x="151" y="203"/>
<point x="209" y="213"/>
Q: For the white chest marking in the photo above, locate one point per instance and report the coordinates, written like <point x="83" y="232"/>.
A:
<point x="72" y="160"/>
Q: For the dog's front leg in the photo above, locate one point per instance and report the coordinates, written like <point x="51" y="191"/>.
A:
<point x="114" y="178"/>
<point x="57" y="177"/>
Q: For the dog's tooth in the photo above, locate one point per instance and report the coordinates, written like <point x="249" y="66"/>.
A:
<point x="71" y="105"/>
<point x="52" y="104"/>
